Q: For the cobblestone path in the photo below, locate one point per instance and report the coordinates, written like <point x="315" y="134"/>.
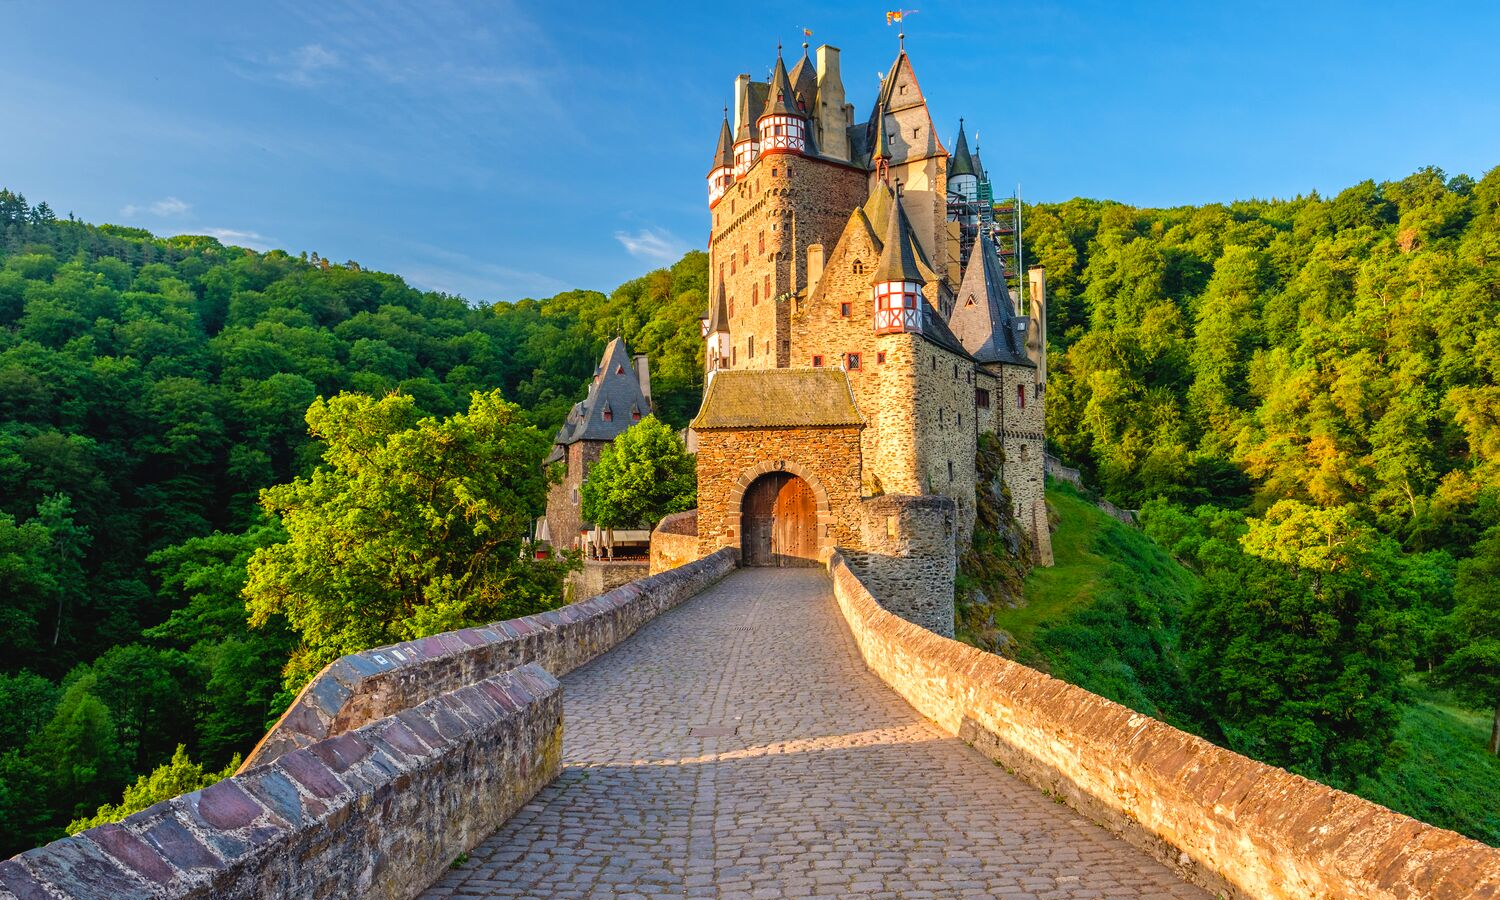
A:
<point x="737" y="748"/>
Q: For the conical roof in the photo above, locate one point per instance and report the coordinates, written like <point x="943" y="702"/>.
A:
<point x="897" y="262"/>
<point x="718" y="311"/>
<point x="804" y="79"/>
<point x="963" y="163"/>
<point x="616" y="386"/>
<point x="880" y="148"/>
<point x="724" y="153"/>
<point x="782" y="99"/>
<point x="984" y="319"/>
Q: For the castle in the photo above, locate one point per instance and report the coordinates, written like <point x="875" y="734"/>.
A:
<point x="861" y="335"/>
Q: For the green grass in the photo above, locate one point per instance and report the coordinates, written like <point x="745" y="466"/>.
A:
<point x="1441" y="770"/>
<point x="1106" y="618"/>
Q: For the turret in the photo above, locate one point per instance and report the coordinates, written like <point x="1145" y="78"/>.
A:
<point x="963" y="175"/>
<point x="880" y="147"/>
<point x="783" y="124"/>
<point x="746" y="138"/>
<point x="721" y="174"/>
<point x="897" y="283"/>
<point x="716" y="331"/>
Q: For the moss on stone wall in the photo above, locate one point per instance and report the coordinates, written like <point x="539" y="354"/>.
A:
<point x="991" y="570"/>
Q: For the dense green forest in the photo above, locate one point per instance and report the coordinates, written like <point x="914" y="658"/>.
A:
<point x="1301" y="397"/>
<point x="150" y="388"/>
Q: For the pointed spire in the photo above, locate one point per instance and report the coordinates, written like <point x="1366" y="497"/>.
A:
<point x="781" y="100"/>
<point x="897" y="262"/>
<point x="963" y="162"/>
<point x="718" y="312"/>
<point x="881" y="147"/>
<point x="724" y="153"/>
<point x="984" y="319"/>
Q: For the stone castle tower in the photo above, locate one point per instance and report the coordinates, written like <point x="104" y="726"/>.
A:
<point x="861" y="334"/>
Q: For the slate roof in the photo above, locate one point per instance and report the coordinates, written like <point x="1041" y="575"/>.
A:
<point x="718" y="311"/>
<point x="751" y="103"/>
<point x="804" y="80"/>
<point x="724" y="153"/>
<point x="616" y="388"/>
<point x="963" y="163"/>
<point x="897" y="261"/>
<point x="984" y="318"/>
<point x="778" y="398"/>
<point x="781" y="99"/>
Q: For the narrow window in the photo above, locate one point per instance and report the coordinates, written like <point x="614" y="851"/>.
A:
<point x="635" y="415"/>
<point x="619" y="370"/>
<point x="731" y="307"/>
<point x="960" y="420"/>
<point x="844" y="310"/>
<point x="734" y="353"/>
<point x="763" y="242"/>
<point x="934" y="364"/>
<point x="940" y="417"/>
<point x="950" y="470"/>
<point x="768" y="287"/>
<point x="750" y="348"/>
<point x="817" y="361"/>
<point x="880" y="357"/>
<point x="853" y="360"/>
<point x="732" y="263"/>
<point x="754" y="294"/>
<point x="1021" y="396"/>
<point x="955" y="371"/>
<point x="609" y="415"/>
<point x="981" y="398"/>
<point x="745" y="254"/>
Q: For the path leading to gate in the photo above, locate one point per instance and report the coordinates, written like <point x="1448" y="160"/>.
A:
<point x="737" y="748"/>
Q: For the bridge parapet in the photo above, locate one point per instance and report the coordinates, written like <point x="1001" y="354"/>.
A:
<point x="380" y="811"/>
<point x="362" y="687"/>
<point x="1227" y="822"/>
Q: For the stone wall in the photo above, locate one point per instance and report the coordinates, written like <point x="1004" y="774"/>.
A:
<point x="601" y="575"/>
<point x="729" y="460"/>
<point x="909" y="557"/>
<point x="947" y="429"/>
<point x="564" y="509"/>
<point x="378" y="812"/>
<point x="1229" y="823"/>
<point x="362" y="687"/>
<point x="675" y="541"/>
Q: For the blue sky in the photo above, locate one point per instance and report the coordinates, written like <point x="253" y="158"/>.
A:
<point x="502" y="150"/>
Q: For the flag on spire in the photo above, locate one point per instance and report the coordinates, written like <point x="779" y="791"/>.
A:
<point x="898" y="15"/>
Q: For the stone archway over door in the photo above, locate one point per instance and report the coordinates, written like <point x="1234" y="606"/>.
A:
<point x="779" y="522"/>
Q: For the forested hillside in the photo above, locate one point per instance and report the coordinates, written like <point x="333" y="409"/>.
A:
<point x="149" y="389"/>
<point x="1301" y="397"/>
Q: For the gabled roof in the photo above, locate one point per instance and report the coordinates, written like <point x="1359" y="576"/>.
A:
<point x="897" y="261"/>
<point x="616" y="388"/>
<point x="778" y="398"/>
<point x="984" y="319"/>
<point x="781" y="99"/>
<point x="963" y="163"/>
<point x="724" y="152"/>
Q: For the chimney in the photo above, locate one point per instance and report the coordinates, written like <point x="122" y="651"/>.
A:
<point x="814" y="267"/>
<point x="643" y="375"/>
<point x="1036" y="342"/>
<point x="829" y="118"/>
<point x="741" y="87"/>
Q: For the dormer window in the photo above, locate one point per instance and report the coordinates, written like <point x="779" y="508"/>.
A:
<point x="635" y="414"/>
<point x="859" y="267"/>
<point x="609" y="415"/>
<point x="619" y="370"/>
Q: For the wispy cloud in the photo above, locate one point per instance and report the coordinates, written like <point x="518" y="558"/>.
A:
<point x="461" y="275"/>
<point x="235" y="238"/>
<point x="163" y="208"/>
<point x="652" y="244"/>
<point x="304" y="66"/>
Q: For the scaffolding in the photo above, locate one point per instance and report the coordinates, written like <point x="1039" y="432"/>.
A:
<point x="1001" y="220"/>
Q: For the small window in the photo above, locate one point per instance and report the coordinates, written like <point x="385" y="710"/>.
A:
<point x="609" y="415"/>
<point x="940" y="417"/>
<point x="734" y="353"/>
<point x="934" y="364"/>
<point x="950" y="470"/>
<point x="768" y="287"/>
<point x="852" y="360"/>
<point x="745" y="254"/>
<point x="773" y="174"/>
<point x="733" y="262"/>
<point x="750" y="348"/>
<point x="844" y="310"/>
<point x="574" y="496"/>
<point x="1021" y="396"/>
<point x="754" y="294"/>
<point x="763" y="242"/>
<point x="960" y="420"/>
<point x="786" y="346"/>
<point x="731" y="307"/>
<point x="955" y="371"/>
<point x="635" y="415"/>
<point x="859" y="267"/>
<point x="901" y="89"/>
<point x="619" y="370"/>
<point x="817" y="361"/>
<point x="981" y="398"/>
<point x="880" y="357"/>
<point x="970" y="301"/>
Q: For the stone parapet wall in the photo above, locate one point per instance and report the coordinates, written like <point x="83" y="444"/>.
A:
<point x="1229" y="823"/>
<point x="599" y="576"/>
<point x="675" y="541"/>
<point x="378" y="812"/>
<point x="362" y="687"/>
<point x="909" y="557"/>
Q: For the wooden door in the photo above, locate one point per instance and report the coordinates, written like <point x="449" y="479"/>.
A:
<point x="778" y="521"/>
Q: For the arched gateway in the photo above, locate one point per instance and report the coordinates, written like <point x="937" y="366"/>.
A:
<point x="778" y="522"/>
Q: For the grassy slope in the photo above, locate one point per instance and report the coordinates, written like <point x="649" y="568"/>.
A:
<point x="1105" y="617"/>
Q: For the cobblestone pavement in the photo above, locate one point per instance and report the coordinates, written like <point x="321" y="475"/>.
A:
<point x="737" y="748"/>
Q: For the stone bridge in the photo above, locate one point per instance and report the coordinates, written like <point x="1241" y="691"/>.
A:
<point x="740" y="733"/>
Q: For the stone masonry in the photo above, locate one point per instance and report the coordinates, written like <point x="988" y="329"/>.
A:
<point x="737" y="748"/>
